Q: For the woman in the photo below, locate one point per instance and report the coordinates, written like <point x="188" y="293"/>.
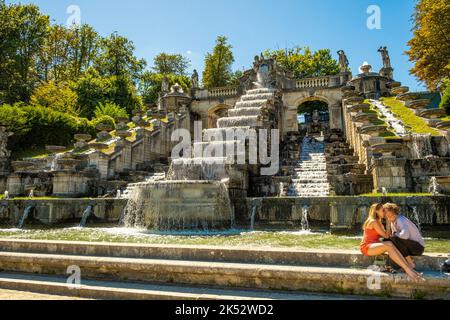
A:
<point x="372" y="246"/>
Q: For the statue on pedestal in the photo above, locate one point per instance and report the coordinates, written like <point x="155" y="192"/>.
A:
<point x="343" y="61"/>
<point x="194" y="79"/>
<point x="385" y="57"/>
<point x="4" y="135"/>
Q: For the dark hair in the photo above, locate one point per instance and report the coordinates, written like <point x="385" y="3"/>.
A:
<point x="392" y="207"/>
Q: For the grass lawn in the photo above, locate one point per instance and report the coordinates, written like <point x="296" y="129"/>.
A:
<point x="397" y="195"/>
<point x="408" y="117"/>
<point x="286" y="239"/>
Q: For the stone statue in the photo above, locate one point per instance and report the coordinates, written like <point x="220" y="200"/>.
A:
<point x="165" y="84"/>
<point x="316" y="116"/>
<point x="385" y="57"/>
<point x="4" y="135"/>
<point x="343" y="61"/>
<point x="194" y="79"/>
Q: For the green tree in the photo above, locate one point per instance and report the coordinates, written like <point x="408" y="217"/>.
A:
<point x="150" y="85"/>
<point x="445" y="101"/>
<point x="218" y="64"/>
<point x="430" y="45"/>
<point x="165" y="63"/>
<point x="110" y="109"/>
<point x="91" y="89"/>
<point x="59" y="97"/>
<point x="302" y="62"/>
<point x="23" y="30"/>
<point x="117" y="58"/>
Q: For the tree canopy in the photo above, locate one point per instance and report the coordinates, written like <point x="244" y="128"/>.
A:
<point x="175" y="64"/>
<point x="430" y="45"/>
<point x="302" y="62"/>
<point x="217" y="72"/>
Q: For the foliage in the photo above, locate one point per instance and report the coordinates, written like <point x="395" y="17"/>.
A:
<point x="92" y="89"/>
<point x="310" y="106"/>
<point x="445" y="102"/>
<point x="116" y="58"/>
<point x="430" y="45"/>
<point x="59" y="97"/>
<point x="302" y="62"/>
<point x="103" y="119"/>
<point x="235" y="78"/>
<point x="23" y="30"/>
<point x="110" y="109"/>
<point x="175" y="64"/>
<point x="218" y="64"/>
<point x="150" y="85"/>
<point x="67" y="53"/>
<point x="408" y="117"/>
<point x="39" y="126"/>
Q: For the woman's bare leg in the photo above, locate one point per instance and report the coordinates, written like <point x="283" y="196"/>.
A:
<point x="377" y="249"/>
<point x="411" y="262"/>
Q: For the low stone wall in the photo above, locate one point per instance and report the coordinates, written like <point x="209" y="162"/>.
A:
<point x="340" y="213"/>
<point x="54" y="211"/>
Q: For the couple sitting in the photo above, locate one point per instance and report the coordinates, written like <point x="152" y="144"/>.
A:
<point x="402" y="243"/>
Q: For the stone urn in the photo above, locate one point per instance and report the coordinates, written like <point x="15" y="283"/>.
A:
<point x="431" y="113"/>
<point x="354" y="100"/>
<point x="373" y="130"/>
<point x="104" y="129"/>
<point x="399" y="90"/>
<point x="22" y="166"/>
<point x="418" y="103"/>
<point x="55" y="149"/>
<point x="365" y="118"/>
<point x="408" y="96"/>
<point x="386" y="149"/>
<point x="81" y="139"/>
<point x="362" y="107"/>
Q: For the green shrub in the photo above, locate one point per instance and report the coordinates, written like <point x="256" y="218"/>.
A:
<point x="103" y="119"/>
<point x="110" y="109"/>
<point x="36" y="126"/>
<point x="445" y="102"/>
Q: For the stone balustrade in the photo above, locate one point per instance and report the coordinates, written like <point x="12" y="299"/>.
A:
<point x="223" y="92"/>
<point x="317" y="82"/>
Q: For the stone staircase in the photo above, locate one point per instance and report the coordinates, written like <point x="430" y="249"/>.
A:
<point x="158" y="176"/>
<point x="310" y="178"/>
<point x="136" y="271"/>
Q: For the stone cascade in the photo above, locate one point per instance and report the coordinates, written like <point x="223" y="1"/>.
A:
<point x="311" y="178"/>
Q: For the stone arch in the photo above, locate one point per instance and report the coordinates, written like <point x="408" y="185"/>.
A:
<point x="217" y="112"/>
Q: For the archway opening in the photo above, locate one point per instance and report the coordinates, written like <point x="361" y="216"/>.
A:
<point x="313" y="116"/>
<point x="216" y="113"/>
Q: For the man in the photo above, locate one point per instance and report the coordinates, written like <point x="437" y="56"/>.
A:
<point x="404" y="234"/>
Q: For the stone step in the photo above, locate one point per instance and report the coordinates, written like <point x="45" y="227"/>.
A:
<point x="233" y="275"/>
<point x="284" y="256"/>
<point x="117" y="290"/>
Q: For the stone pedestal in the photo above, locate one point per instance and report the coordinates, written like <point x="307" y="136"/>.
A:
<point x="72" y="184"/>
<point x="342" y="217"/>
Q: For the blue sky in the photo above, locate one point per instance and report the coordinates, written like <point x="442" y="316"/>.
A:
<point x="191" y="27"/>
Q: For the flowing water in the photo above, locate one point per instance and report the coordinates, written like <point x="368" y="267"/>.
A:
<point x="311" y="178"/>
<point x="395" y="123"/>
<point x="24" y="217"/>
<point x="86" y="214"/>
<point x="421" y="145"/>
<point x="417" y="218"/>
<point x="434" y="186"/>
<point x="305" y="222"/>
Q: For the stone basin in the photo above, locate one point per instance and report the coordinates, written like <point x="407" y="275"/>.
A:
<point x="121" y="120"/>
<point x="373" y="130"/>
<point x="99" y="145"/>
<point x="393" y="84"/>
<point x="55" y="149"/>
<point x="364" y="107"/>
<point x="364" y="117"/>
<point x="399" y="90"/>
<point x="123" y="134"/>
<point x="103" y="135"/>
<point x="22" y="165"/>
<point x="443" y="125"/>
<point x="431" y="113"/>
<point x="69" y="163"/>
<point x="408" y="96"/>
<point x="350" y="94"/>
<point x="354" y="100"/>
<point x="348" y="88"/>
<point x="104" y="127"/>
<point x="82" y="137"/>
<point x="418" y="103"/>
<point x="386" y="147"/>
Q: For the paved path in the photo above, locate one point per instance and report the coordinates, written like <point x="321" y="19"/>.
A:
<point x="24" y="295"/>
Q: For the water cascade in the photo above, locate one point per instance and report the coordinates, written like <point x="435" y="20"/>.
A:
<point x="421" y="144"/>
<point x="416" y="217"/>
<point x="24" y="217"/>
<point x="395" y="123"/>
<point x="86" y="214"/>
<point x="434" y="187"/>
<point x="311" y="178"/>
<point x="305" y="222"/>
<point x="54" y="164"/>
